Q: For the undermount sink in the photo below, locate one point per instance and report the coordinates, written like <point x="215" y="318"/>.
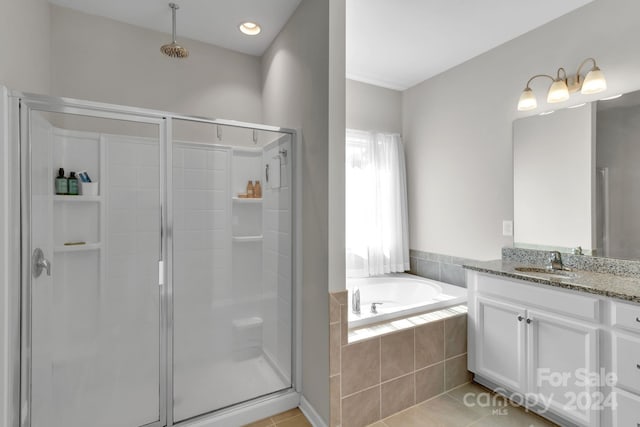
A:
<point x="560" y="274"/>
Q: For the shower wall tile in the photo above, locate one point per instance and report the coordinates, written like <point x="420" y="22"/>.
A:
<point x="202" y="251"/>
<point x="277" y="256"/>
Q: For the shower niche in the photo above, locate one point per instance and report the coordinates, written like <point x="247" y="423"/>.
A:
<point x="169" y="297"/>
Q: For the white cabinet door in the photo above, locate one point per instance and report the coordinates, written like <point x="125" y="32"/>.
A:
<point x="626" y="362"/>
<point x="500" y="343"/>
<point x="627" y="411"/>
<point x="563" y="365"/>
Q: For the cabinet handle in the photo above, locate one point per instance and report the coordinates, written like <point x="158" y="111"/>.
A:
<point x="638" y="320"/>
<point x="520" y="318"/>
<point x="638" y="365"/>
<point x="529" y="321"/>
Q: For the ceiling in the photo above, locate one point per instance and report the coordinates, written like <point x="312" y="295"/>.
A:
<point x="389" y="43"/>
<point x="399" y="43"/>
<point x="210" y="21"/>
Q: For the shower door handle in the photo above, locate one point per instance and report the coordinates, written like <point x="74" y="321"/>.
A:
<point x="39" y="263"/>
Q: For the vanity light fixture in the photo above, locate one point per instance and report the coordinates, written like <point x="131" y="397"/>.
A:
<point x="609" y="98"/>
<point x="562" y="86"/>
<point x="250" y="28"/>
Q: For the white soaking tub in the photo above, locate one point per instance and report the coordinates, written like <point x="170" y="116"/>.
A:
<point x="401" y="295"/>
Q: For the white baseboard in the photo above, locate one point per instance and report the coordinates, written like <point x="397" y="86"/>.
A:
<point x="311" y="414"/>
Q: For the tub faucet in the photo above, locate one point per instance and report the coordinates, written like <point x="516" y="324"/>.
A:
<point x="555" y="261"/>
<point x="355" y="301"/>
<point x="374" y="308"/>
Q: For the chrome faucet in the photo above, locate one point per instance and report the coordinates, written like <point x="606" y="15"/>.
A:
<point x="374" y="308"/>
<point x="555" y="261"/>
<point x="355" y="301"/>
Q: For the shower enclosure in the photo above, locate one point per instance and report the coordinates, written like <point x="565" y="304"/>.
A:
<point x="160" y="294"/>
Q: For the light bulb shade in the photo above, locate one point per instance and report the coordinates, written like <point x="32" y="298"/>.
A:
<point x="558" y="92"/>
<point x="527" y="101"/>
<point x="594" y="82"/>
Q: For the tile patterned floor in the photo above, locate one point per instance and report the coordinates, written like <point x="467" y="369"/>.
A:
<point x="461" y="407"/>
<point x="291" y="418"/>
<point x="452" y="409"/>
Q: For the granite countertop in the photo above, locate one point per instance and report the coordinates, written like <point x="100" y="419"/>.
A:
<point x="604" y="284"/>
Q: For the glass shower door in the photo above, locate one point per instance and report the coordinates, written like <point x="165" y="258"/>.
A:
<point x="232" y="268"/>
<point x="92" y="313"/>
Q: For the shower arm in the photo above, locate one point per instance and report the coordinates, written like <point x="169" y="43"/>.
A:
<point x="173" y="7"/>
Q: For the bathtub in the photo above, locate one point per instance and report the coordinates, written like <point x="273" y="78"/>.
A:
<point x="401" y="295"/>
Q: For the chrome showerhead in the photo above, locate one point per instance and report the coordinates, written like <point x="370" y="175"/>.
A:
<point x="173" y="49"/>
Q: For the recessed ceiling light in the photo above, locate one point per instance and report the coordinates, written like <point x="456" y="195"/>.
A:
<point x="250" y="28"/>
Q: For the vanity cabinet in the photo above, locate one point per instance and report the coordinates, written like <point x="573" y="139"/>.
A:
<point x="626" y="363"/>
<point x="535" y="343"/>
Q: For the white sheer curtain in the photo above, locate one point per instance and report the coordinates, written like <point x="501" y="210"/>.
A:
<point x="377" y="229"/>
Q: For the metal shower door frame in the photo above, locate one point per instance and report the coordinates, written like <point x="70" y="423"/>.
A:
<point x="27" y="104"/>
<point x="28" y="101"/>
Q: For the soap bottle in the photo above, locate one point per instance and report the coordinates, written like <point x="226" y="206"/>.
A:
<point x="73" y="184"/>
<point x="257" y="190"/>
<point x="62" y="185"/>
<point x="250" y="189"/>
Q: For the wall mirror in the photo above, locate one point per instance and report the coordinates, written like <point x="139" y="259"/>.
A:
<point x="576" y="179"/>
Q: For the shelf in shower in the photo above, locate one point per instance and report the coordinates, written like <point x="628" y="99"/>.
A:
<point x="77" y="199"/>
<point x="247" y="200"/>
<point x="78" y="248"/>
<point x="247" y="239"/>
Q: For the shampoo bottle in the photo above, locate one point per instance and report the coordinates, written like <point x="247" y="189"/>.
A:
<point x="62" y="185"/>
<point x="250" y="189"/>
<point x="257" y="190"/>
<point x="73" y="184"/>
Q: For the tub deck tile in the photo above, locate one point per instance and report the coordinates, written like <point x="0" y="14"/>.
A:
<point x="383" y="328"/>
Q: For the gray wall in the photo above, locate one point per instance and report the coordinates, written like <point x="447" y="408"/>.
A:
<point x="457" y="125"/>
<point x="24" y="65"/>
<point x="104" y="60"/>
<point x="296" y="94"/>
<point x="24" y="31"/>
<point x="373" y="108"/>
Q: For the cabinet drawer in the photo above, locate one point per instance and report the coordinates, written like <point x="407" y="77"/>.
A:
<point x="627" y="413"/>
<point x="571" y="303"/>
<point x="626" y="362"/>
<point x="626" y="316"/>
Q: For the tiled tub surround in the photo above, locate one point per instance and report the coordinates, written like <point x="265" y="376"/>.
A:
<point x="444" y="268"/>
<point x="410" y="362"/>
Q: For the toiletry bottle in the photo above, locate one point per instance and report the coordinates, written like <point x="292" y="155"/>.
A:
<point x="250" y="189"/>
<point x="73" y="184"/>
<point x="257" y="190"/>
<point x="62" y="185"/>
